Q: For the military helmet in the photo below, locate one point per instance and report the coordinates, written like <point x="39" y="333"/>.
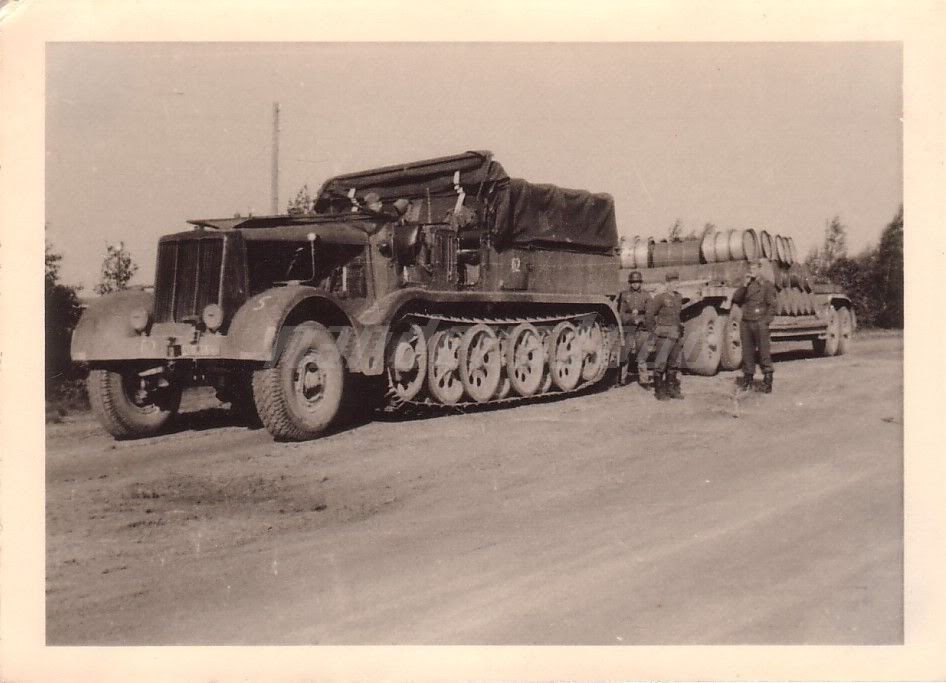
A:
<point x="635" y="276"/>
<point x="372" y="198"/>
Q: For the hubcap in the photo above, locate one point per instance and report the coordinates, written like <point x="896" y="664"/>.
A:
<point x="309" y="380"/>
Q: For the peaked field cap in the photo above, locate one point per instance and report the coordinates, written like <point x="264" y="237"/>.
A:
<point x="671" y="275"/>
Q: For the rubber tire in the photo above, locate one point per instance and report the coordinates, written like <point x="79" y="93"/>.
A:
<point x="845" y="330"/>
<point x="702" y="341"/>
<point x="829" y="346"/>
<point x="119" y="415"/>
<point x="273" y="392"/>
<point x="730" y="354"/>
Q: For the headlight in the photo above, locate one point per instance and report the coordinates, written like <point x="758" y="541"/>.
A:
<point x="139" y="319"/>
<point x="212" y="317"/>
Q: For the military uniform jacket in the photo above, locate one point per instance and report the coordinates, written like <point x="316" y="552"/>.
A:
<point x="757" y="300"/>
<point x="663" y="314"/>
<point x="630" y="301"/>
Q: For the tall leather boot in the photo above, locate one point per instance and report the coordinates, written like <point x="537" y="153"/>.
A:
<point x="744" y="382"/>
<point x="643" y="374"/>
<point x="767" y="383"/>
<point x="673" y="385"/>
<point x="660" y="387"/>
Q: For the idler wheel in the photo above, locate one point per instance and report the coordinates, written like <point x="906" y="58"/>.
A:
<point x="407" y="362"/>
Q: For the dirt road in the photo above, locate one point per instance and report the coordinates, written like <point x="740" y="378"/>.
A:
<point x="607" y="518"/>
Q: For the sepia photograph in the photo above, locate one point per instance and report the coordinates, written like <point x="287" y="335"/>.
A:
<point x="498" y="341"/>
<point x="492" y="344"/>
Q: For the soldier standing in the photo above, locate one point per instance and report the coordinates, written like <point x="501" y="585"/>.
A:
<point x="757" y="297"/>
<point x="663" y="322"/>
<point x="632" y="305"/>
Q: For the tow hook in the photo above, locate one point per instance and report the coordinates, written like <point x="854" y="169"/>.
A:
<point x="174" y="350"/>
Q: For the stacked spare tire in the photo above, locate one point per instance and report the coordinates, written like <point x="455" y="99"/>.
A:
<point x="711" y="267"/>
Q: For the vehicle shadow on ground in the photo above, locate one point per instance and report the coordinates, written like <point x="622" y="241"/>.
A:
<point x="217" y="417"/>
<point x="220" y="417"/>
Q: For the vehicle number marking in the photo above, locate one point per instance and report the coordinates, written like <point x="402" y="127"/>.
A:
<point x="261" y="304"/>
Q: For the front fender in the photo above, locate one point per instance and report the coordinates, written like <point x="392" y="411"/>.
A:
<point x="256" y="327"/>
<point x="104" y="330"/>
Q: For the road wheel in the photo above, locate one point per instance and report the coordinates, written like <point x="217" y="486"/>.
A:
<point x="845" y="330"/>
<point x="525" y="359"/>
<point x="300" y="396"/>
<point x="594" y="346"/>
<point x="829" y="345"/>
<point x="407" y="362"/>
<point x="125" y="409"/>
<point x="730" y="353"/>
<point x="481" y="363"/>
<point x="443" y="369"/>
<point x="702" y="343"/>
<point x="565" y="356"/>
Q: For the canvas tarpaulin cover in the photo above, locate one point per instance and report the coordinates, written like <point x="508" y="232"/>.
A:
<point x="526" y="214"/>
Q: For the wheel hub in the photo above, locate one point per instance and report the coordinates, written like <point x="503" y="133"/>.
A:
<point x="405" y="357"/>
<point x="310" y="380"/>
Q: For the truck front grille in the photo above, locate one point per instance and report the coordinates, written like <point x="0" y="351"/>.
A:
<point x="188" y="278"/>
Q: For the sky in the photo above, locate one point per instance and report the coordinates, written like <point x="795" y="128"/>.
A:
<point x="778" y="136"/>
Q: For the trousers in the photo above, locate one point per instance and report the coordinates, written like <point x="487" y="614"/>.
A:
<point x="754" y="335"/>
<point x="636" y="342"/>
<point x="667" y="351"/>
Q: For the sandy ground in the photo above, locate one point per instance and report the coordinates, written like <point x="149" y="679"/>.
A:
<point x="607" y="518"/>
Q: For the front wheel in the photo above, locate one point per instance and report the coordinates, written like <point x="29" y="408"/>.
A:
<point x="301" y="395"/>
<point x="126" y="408"/>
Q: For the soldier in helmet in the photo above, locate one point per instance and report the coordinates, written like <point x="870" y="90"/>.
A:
<point x="632" y="304"/>
<point x="663" y="322"/>
<point x="758" y="301"/>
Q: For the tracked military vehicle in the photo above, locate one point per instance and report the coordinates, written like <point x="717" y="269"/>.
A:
<point x="712" y="267"/>
<point x="439" y="282"/>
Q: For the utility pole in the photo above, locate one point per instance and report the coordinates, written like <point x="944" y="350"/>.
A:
<point x="274" y="190"/>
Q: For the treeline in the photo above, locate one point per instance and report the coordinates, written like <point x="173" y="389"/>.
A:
<point x="63" y="308"/>
<point x="873" y="278"/>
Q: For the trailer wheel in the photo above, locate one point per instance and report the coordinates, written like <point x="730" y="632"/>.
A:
<point x="829" y="346"/>
<point x="124" y="409"/>
<point x="845" y="329"/>
<point x="730" y="353"/>
<point x="702" y="343"/>
<point x="300" y="396"/>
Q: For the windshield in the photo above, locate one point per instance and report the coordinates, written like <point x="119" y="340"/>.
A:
<point x="338" y="267"/>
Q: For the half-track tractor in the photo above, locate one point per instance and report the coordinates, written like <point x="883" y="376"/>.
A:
<point x="439" y="282"/>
